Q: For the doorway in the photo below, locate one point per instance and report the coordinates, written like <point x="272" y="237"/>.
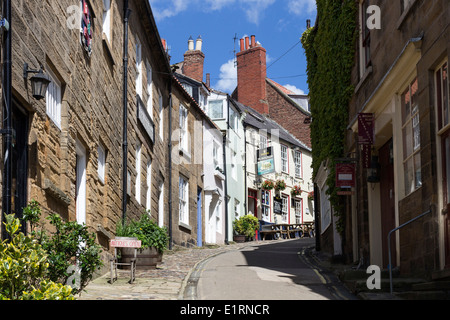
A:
<point x="19" y="181"/>
<point x="387" y="198"/>
<point x="252" y="202"/>
<point x="199" y="218"/>
<point x="81" y="183"/>
<point x="446" y="193"/>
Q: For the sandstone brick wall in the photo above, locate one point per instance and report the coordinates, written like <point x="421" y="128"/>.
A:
<point x="287" y="115"/>
<point x="189" y="166"/>
<point x="419" y="243"/>
<point x="92" y="110"/>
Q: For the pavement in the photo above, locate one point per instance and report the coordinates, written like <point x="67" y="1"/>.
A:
<point x="175" y="278"/>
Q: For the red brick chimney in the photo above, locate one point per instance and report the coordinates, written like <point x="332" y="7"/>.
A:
<point x="194" y="60"/>
<point x="252" y="73"/>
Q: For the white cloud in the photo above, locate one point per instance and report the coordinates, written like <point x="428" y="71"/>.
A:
<point x="253" y="9"/>
<point x="299" y="7"/>
<point x="228" y="77"/>
<point x="294" y="89"/>
<point x="172" y="8"/>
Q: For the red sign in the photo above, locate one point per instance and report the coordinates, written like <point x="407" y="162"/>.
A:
<point x="119" y="243"/>
<point x="366" y="128"/>
<point x="345" y="175"/>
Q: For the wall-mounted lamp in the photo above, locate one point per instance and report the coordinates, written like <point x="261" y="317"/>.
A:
<point x="258" y="183"/>
<point x="39" y="82"/>
<point x="373" y="173"/>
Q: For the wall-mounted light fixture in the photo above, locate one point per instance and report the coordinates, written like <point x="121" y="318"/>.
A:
<point x="39" y="82"/>
<point x="373" y="173"/>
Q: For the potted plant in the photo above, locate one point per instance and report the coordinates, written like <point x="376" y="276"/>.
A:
<point x="268" y="185"/>
<point x="154" y="240"/>
<point x="245" y="228"/>
<point x="296" y="191"/>
<point x="280" y="185"/>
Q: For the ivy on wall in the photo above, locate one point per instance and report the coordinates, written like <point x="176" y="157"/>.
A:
<point x="330" y="52"/>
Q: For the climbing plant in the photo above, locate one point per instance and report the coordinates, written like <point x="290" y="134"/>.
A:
<point x="330" y="52"/>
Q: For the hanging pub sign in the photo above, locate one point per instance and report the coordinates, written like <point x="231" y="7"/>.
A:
<point x="86" y="28"/>
<point x="345" y="175"/>
<point x="266" y="162"/>
<point x="366" y="128"/>
<point x="277" y="205"/>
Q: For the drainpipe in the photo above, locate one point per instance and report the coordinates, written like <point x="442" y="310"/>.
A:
<point x="126" y="13"/>
<point x="7" y="116"/>
<point x="226" y="186"/>
<point x="170" y="162"/>
<point x="245" y="170"/>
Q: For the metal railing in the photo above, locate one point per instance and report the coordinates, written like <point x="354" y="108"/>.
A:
<point x="389" y="242"/>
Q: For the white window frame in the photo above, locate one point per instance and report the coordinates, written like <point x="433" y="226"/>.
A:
<point x="149" y="89"/>
<point x="285" y="208"/>
<point x="53" y="99"/>
<point x="138" y="171"/>
<point x="139" y="83"/>
<point x="184" y="137"/>
<point x="265" y="205"/>
<point x="148" y="204"/>
<point x="161" y="116"/>
<point x="263" y="141"/>
<point x="107" y="19"/>
<point x="298" y="211"/>
<point x="411" y="140"/>
<point x="101" y="170"/>
<point x="184" y="200"/>
<point x="442" y="99"/>
<point x="298" y="155"/>
<point x="284" y="158"/>
<point x="216" y="153"/>
<point x="210" y="109"/>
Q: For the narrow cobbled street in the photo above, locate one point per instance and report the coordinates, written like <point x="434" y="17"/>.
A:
<point x="196" y="274"/>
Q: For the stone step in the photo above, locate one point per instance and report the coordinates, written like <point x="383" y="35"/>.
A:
<point x="351" y="274"/>
<point x="423" y="295"/>
<point x="399" y="284"/>
<point x="432" y="286"/>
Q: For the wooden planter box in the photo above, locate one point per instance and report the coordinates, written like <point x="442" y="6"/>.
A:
<point x="239" y="238"/>
<point x="146" y="258"/>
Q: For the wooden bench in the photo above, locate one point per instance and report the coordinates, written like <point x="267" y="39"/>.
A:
<point x="124" y="243"/>
<point x="271" y="229"/>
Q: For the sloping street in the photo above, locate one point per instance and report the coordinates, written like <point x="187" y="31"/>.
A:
<point x="277" y="270"/>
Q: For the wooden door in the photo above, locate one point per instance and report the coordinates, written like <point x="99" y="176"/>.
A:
<point x="446" y="193"/>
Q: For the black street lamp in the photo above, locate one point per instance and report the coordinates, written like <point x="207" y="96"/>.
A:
<point x="39" y="82"/>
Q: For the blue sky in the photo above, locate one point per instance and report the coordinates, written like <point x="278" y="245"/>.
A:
<point x="277" y="25"/>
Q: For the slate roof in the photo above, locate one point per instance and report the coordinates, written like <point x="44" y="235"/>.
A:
<point x="257" y="120"/>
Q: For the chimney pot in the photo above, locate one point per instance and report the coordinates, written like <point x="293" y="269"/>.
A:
<point x="253" y="43"/>
<point x="199" y="44"/>
<point x="246" y="43"/>
<point x="242" y="44"/>
<point x="208" y="80"/>
<point x="191" y="44"/>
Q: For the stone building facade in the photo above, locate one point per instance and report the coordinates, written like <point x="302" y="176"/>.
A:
<point x="68" y="148"/>
<point x="400" y="76"/>
<point x="187" y="168"/>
